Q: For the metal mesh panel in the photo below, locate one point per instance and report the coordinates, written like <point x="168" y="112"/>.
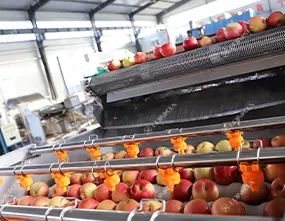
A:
<point x="248" y="47"/>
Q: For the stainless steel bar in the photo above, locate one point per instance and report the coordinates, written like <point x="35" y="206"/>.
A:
<point x="37" y="214"/>
<point x="203" y="130"/>
<point x="267" y="156"/>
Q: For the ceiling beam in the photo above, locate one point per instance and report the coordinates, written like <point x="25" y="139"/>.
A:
<point x="143" y="7"/>
<point x="100" y="7"/>
<point x="38" y="5"/>
<point x="172" y="8"/>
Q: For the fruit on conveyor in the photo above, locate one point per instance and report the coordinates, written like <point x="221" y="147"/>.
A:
<point x="277" y="188"/>
<point x="276" y="19"/>
<point x="87" y="190"/>
<point x="129" y="177"/>
<point x="128" y="61"/>
<point x="245" y="27"/>
<point x="107" y="205"/>
<point x="265" y="143"/>
<point x="58" y="201"/>
<point x="140" y="57"/>
<point x="88" y="203"/>
<point x="187" y="174"/>
<point x="190" y="149"/>
<point x="226" y="175"/>
<point x="205" y="147"/>
<point x="147" y="152"/>
<point x="206" y="190"/>
<point x="128" y="205"/>
<point x="76" y="178"/>
<point x="233" y="31"/>
<point x="257" y="24"/>
<point x="39" y="189"/>
<point x="108" y="156"/>
<point x="190" y="43"/>
<point x="254" y="198"/>
<point x="275" y="208"/>
<point x="204" y="173"/>
<point x="164" y="151"/>
<point x="121" y="193"/>
<point x="87" y="178"/>
<point x="25" y="201"/>
<point x="114" y="64"/>
<point x="151" y="206"/>
<point x="156" y="52"/>
<point x="174" y="206"/>
<point x="57" y="191"/>
<point x="40" y="201"/>
<point x="228" y="206"/>
<point x="223" y="146"/>
<point x="168" y="49"/>
<point x="121" y="154"/>
<point x="272" y="171"/>
<point x="142" y="189"/>
<point x="221" y="35"/>
<point x="205" y="41"/>
<point x="182" y="191"/>
<point x="102" y="192"/>
<point x="149" y="175"/>
<point x="278" y="141"/>
<point x="197" y="206"/>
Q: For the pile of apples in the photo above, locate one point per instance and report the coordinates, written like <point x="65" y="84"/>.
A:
<point x="197" y="193"/>
<point x="255" y="25"/>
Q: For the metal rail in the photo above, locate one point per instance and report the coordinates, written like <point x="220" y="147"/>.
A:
<point x="164" y="135"/>
<point x="263" y="156"/>
<point x="70" y="214"/>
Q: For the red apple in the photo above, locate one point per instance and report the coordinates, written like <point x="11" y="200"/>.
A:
<point x="88" y="203"/>
<point x="73" y="191"/>
<point x="57" y="191"/>
<point x="25" y="201"/>
<point x="275" y="208"/>
<point x="273" y="171"/>
<point x="206" y="190"/>
<point x="221" y="35"/>
<point x="226" y="175"/>
<point x="233" y="31"/>
<point x="187" y="174"/>
<point x="142" y="189"/>
<point x="257" y="24"/>
<point x="276" y="19"/>
<point x="245" y="27"/>
<point x="254" y="198"/>
<point x="128" y="205"/>
<point x="190" y="149"/>
<point x="140" y="57"/>
<point x="87" y="178"/>
<point x="228" y="206"/>
<point x="190" y="43"/>
<point x="168" y="49"/>
<point x="265" y="143"/>
<point x="107" y="205"/>
<point x="40" y="201"/>
<point x="197" y="206"/>
<point x="75" y="178"/>
<point x="205" y="41"/>
<point x="156" y="52"/>
<point x="174" y="206"/>
<point x="39" y="189"/>
<point x="182" y="191"/>
<point x="87" y="190"/>
<point x="102" y="192"/>
<point x="122" y="192"/>
<point x="147" y="152"/>
<point x="121" y="154"/>
<point x="149" y="175"/>
<point x="129" y="177"/>
<point x="58" y="201"/>
<point x="151" y="206"/>
<point x="114" y="64"/>
<point x="164" y="151"/>
<point x="278" y="141"/>
<point x="277" y="188"/>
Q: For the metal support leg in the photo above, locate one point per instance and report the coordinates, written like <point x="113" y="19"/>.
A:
<point x="39" y="39"/>
<point x="97" y="33"/>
